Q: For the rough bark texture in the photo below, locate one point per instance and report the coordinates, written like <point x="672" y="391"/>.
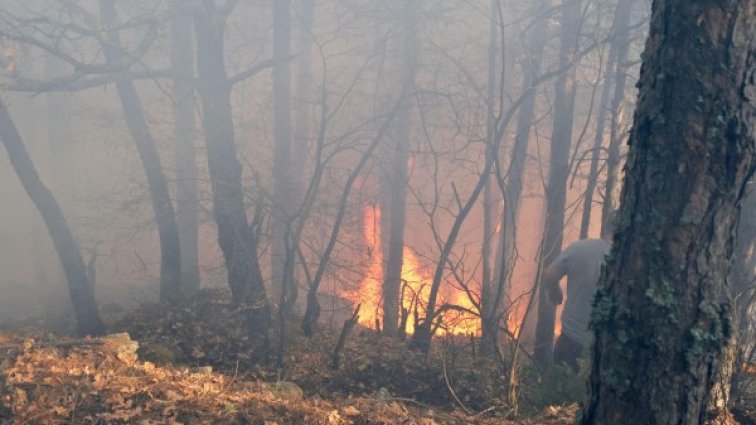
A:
<point x="396" y="181"/>
<point x="234" y="234"/>
<point x="662" y="313"/>
<point x="556" y="188"/>
<point x="185" y="132"/>
<point x="170" y="261"/>
<point x="82" y="296"/>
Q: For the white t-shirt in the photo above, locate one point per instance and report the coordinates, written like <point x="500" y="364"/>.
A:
<point x="581" y="262"/>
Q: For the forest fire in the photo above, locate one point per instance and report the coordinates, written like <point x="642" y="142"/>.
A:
<point x="415" y="289"/>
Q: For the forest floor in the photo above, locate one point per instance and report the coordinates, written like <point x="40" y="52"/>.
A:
<point x="193" y="364"/>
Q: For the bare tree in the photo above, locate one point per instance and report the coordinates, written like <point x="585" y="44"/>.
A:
<point x="81" y="291"/>
<point x="185" y="133"/>
<point x="395" y="182"/>
<point x="614" y="81"/>
<point x="561" y="137"/>
<point x="284" y="200"/>
<point x="170" y="258"/>
<point x="235" y="235"/>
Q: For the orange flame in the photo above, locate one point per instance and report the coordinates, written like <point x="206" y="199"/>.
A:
<point x="416" y="282"/>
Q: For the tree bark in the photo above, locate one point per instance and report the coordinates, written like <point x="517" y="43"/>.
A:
<point x="82" y="297"/>
<point x="185" y="133"/>
<point x="556" y="188"/>
<point x="170" y="261"/>
<point x="235" y="237"/>
<point x="662" y="312"/>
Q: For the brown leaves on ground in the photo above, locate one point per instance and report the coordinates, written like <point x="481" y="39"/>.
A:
<point x="85" y="382"/>
<point x="206" y="331"/>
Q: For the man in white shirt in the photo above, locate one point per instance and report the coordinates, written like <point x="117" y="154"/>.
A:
<point x="581" y="262"/>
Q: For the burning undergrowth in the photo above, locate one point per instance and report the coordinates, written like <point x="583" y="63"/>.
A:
<point x="206" y="331"/>
<point x="164" y="375"/>
<point x="416" y="279"/>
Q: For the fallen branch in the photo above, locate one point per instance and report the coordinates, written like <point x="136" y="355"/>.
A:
<point x="348" y="325"/>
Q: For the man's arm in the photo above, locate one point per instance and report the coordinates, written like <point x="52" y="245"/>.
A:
<point x="553" y="274"/>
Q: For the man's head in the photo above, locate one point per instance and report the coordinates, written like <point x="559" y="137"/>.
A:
<point x="609" y="225"/>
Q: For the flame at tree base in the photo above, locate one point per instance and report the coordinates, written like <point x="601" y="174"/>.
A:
<point x="414" y="291"/>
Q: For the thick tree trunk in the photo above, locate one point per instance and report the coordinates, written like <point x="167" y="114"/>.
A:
<point x="82" y="297"/>
<point x="185" y="133"/>
<point x="397" y="180"/>
<point x="561" y="137"/>
<point x="662" y="312"/>
<point x="234" y="234"/>
<point x="170" y="261"/>
<point x="615" y="70"/>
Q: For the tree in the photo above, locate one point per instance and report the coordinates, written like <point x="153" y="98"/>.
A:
<point x="662" y="312"/>
<point x="556" y="188"/>
<point x="512" y="188"/>
<point x="614" y="79"/>
<point x="405" y="53"/>
<point x="81" y="291"/>
<point x="284" y="196"/>
<point x="235" y="236"/>
<point x="170" y="257"/>
<point x="185" y="132"/>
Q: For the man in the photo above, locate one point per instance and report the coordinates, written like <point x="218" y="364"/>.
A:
<point x="581" y="262"/>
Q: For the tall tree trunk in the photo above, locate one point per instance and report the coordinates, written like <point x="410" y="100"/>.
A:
<point x="516" y="170"/>
<point x="614" y="69"/>
<point x="299" y="152"/>
<point x="613" y="156"/>
<point x="85" y="307"/>
<point x="662" y="311"/>
<point x="398" y="178"/>
<point x="561" y="137"/>
<point x="284" y="202"/>
<point x="488" y="303"/>
<point x="235" y="237"/>
<point x="170" y="261"/>
<point x="304" y="98"/>
<point x="185" y="133"/>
